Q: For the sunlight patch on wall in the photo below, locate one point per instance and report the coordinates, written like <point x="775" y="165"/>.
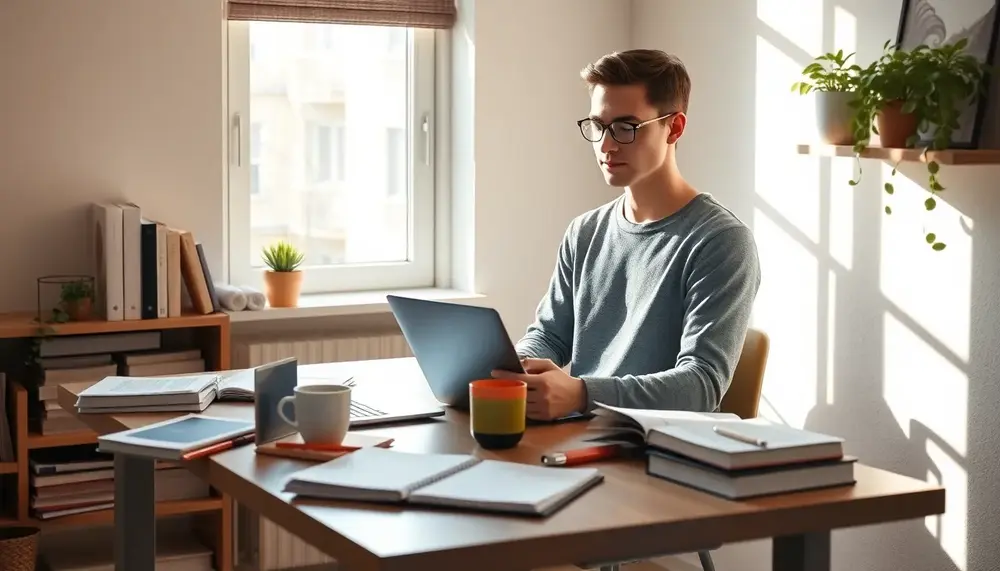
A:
<point x="923" y="386"/>
<point x="789" y="183"/>
<point x="799" y="21"/>
<point x="786" y="309"/>
<point x="831" y="335"/>
<point x="951" y="527"/>
<point x="841" y="212"/>
<point x="932" y="288"/>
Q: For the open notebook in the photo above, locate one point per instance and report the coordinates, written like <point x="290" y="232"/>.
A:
<point x="451" y="480"/>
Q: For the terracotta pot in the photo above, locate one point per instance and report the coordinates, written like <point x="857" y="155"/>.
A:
<point x="835" y="117"/>
<point x="80" y="309"/>
<point x="894" y="126"/>
<point x="283" y="288"/>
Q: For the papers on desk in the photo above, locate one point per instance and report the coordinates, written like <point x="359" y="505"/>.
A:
<point x="450" y="480"/>
<point x="181" y="393"/>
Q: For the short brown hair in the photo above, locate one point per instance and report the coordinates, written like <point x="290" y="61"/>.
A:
<point x="668" y="86"/>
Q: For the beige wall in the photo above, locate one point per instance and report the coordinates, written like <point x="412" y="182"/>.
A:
<point x="875" y="337"/>
<point x="105" y="99"/>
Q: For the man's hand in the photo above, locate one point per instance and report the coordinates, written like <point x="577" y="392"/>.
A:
<point x="552" y="393"/>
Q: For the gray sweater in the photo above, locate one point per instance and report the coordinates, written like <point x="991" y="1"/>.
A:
<point x="650" y="315"/>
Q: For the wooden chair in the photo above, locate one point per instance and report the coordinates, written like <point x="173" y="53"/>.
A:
<point x="743" y="396"/>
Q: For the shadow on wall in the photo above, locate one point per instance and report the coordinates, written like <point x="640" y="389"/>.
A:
<point x="899" y="339"/>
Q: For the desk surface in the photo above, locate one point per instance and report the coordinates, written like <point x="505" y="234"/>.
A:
<point x="629" y="515"/>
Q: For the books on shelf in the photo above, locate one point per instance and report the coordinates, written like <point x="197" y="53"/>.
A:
<point x="80" y="479"/>
<point x="449" y="480"/>
<point x="142" y="264"/>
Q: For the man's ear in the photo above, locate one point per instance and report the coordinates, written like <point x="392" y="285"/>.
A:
<point x="677" y="124"/>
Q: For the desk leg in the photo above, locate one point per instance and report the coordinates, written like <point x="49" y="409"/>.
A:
<point x="135" y="514"/>
<point x="806" y="552"/>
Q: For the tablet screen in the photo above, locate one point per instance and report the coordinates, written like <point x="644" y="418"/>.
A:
<point x="192" y="429"/>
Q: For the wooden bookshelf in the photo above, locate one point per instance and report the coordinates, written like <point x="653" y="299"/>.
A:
<point x="210" y="333"/>
<point x="943" y="157"/>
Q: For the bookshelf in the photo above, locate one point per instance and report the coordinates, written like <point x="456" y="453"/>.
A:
<point x="210" y="333"/>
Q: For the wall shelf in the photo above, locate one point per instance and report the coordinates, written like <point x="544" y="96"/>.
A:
<point x="944" y="157"/>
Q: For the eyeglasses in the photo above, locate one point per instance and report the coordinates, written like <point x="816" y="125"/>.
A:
<point x="621" y="131"/>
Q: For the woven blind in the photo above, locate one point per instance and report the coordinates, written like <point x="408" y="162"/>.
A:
<point x="410" y="13"/>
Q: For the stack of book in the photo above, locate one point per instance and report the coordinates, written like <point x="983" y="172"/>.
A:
<point x="180" y="393"/>
<point x="79" y="479"/>
<point x="724" y="455"/>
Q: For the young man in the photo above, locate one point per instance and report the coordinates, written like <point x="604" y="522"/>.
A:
<point x="652" y="293"/>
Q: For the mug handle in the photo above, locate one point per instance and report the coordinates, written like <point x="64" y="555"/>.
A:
<point x="281" y="409"/>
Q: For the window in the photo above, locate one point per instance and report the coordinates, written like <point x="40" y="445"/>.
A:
<point x="340" y="136"/>
<point x="256" y="143"/>
<point x="324" y="153"/>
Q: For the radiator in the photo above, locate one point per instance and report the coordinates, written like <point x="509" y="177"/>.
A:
<point x="261" y="542"/>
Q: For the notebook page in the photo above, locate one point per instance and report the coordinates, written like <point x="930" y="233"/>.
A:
<point x="648" y="419"/>
<point x="507" y="486"/>
<point x="375" y="469"/>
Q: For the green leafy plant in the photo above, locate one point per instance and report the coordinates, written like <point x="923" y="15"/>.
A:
<point x="932" y="84"/>
<point x="282" y="257"/>
<point x="75" y="291"/>
<point x="829" y="72"/>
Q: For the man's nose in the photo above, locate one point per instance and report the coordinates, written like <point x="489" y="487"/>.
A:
<point x="608" y="143"/>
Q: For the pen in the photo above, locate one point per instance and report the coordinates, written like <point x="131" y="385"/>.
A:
<point x="218" y="447"/>
<point x="741" y="437"/>
<point x="324" y="447"/>
<point x="581" y="455"/>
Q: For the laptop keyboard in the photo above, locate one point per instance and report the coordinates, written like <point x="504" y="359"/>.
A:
<point x="359" y="410"/>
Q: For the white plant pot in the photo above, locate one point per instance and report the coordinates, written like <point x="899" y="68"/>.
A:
<point x="834" y="117"/>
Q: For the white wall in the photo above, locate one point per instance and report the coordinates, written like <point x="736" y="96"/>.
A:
<point x="875" y="338"/>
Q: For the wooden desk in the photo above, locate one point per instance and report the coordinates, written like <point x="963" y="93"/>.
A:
<point x="630" y="515"/>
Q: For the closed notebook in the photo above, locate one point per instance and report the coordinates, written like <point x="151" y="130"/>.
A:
<point x="451" y="480"/>
<point x="781" y="444"/>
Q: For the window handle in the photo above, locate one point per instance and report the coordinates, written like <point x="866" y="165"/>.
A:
<point x="426" y="127"/>
<point x="238" y="129"/>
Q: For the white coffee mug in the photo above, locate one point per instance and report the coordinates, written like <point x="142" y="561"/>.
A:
<point x="322" y="412"/>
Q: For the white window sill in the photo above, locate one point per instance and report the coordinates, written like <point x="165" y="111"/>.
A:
<point x="350" y="303"/>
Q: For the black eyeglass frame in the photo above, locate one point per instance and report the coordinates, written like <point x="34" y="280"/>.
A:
<point x="604" y="128"/>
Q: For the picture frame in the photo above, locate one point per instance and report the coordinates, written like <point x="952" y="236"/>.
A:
<point x="938" y="22"/>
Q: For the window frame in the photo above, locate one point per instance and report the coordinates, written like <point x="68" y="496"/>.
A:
<point x="419" y="269"/>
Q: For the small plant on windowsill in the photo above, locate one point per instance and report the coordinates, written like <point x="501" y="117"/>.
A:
<point x="905" y="96"/>
<point x="283" y="279"/>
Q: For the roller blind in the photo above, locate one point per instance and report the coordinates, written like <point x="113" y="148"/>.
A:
<point x="410" y="13"/>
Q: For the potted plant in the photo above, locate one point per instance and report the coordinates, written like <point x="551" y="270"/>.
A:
<point x="834" y="85"/>
<point x="283" y="281"/>
<point x="77" y="300"/>
<point x="904" y="94"/>
<point x="923" y="90"/>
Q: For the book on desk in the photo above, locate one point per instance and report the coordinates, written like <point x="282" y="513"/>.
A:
<point x="445" y="480"/>
<point x="722" y="454"/>
<point x="177" y="393"/>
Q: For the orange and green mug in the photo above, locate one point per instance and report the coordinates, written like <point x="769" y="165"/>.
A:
<point x="497" y="412"/>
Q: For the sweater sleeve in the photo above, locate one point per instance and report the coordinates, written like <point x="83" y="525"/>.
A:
<point x="550" y="336"/>
<point x="721" y="288"/>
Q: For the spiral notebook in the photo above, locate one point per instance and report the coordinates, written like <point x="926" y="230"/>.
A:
<point x="448" y="480"/>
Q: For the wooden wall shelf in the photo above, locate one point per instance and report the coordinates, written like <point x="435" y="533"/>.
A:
<point x="944" y="157"/>
<point x="211" y="333"/>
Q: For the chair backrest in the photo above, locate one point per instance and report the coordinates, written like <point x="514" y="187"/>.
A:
<point x="743" y="396"/>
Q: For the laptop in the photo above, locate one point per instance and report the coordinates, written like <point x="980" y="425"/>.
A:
<point x="454" y="344"/>
<point x="278" y="379"/>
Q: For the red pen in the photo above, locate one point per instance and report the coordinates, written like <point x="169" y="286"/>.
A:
<point x="581" y="455"/>
<point x="218" y="447"/>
